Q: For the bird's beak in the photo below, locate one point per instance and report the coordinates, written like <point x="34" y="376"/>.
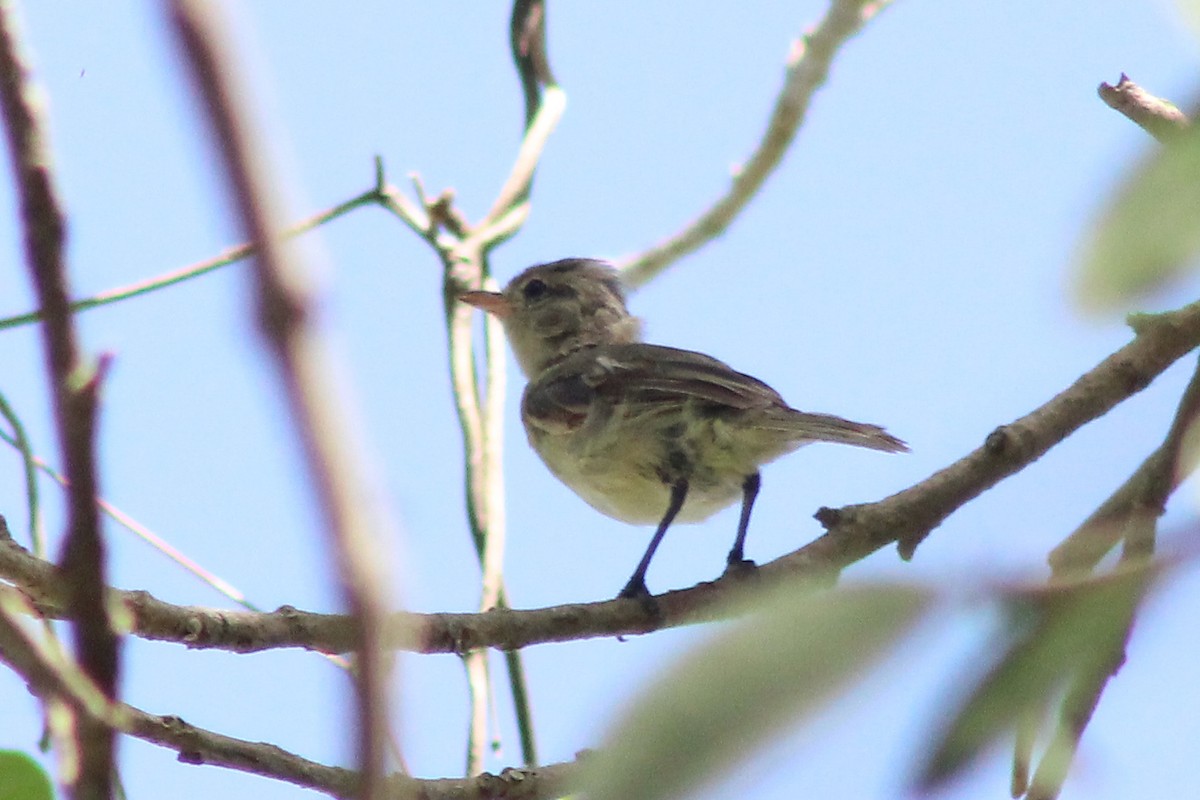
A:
<point x="491" y="302"/>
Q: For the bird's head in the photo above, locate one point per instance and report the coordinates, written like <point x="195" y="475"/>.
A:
<point x="551" y="310"/>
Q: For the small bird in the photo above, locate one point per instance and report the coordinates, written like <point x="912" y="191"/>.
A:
<point x="644" y="433"/>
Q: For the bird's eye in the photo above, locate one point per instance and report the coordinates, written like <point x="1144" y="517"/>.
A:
<point x="534" y="289"/>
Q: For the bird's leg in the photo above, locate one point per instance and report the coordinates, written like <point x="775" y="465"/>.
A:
<point x="637" y="582"/>
<point x="737" y="556"/>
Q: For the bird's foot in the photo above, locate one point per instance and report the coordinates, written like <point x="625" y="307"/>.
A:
<point x="738" y="567"/>
<point x="634" y="590"/>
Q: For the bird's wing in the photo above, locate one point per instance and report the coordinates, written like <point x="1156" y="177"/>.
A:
<point x="646" y="373"/>
<point x="651" y="377"/>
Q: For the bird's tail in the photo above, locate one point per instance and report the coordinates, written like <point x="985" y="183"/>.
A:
<point x="828" y="428"/>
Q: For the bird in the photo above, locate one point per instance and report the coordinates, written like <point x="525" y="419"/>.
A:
<point x="644" y="433"/>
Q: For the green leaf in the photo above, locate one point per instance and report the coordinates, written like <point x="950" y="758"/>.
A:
<point x="735" y="691"/>
<point x="1150" y="233"/>
<point x="22" y="778"/>
<point x="1063" y="631"/>
<point x="1190" y="10"/>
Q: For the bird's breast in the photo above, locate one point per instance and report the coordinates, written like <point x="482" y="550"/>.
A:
<point x="624" y="466"/>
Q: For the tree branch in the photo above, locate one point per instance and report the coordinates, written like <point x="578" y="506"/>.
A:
<point x="1144" y="494"/>
<point x="73" y="387"/>
<point x="286" y="315"/>
<point x="807" y="68"/>
<point x="1159" y="118"/>
<point x="854" y="533"/>
<point x="374" y="195"/>
<point x="51" y="676"/>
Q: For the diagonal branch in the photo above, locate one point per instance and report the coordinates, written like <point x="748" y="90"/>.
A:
<point x="854" y="533"/>
<point x="1143" y="495"/>
<point x="73" y="387"/>
<point x="807" y="68"/>
<point x="54" y="678"/>
<point x="1130" y="513"/>
<point x="286" y="317"/>
<point x="1159" y="118"/>
<point x="377" y="195"/>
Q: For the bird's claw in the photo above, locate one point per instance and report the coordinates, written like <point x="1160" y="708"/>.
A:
<point x="739" y="567"/>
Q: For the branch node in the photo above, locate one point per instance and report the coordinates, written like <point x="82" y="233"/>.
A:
<point x="997" y="442"/>
<point x="829" y="518"/>
<point x="380" y="177"/>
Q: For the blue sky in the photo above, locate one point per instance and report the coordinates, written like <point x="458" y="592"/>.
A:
<point x="908" y="265"/>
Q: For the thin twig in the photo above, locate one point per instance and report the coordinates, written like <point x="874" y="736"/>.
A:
<point x="1143" y="495"/>
<point x="527" y="42"/>
<point x="807" y="68"/>
<point x="1158" y="117"/>
<point x="465" y="266"/>
<point x="286" y="318"/>
<point x="1130" y="513"/>
<point x="479" y="693"/>
<point x="231" y="255"/>
<point x="53" y="677"/>
<point x="29" y="462"/>
<point x="496" y="226"/>
<point x="459" y="273"/>
<point x="544" y="104"/>
<point x="492" y="557"/>
<point x="141" y="531"/>
<point x="73" y="387"/>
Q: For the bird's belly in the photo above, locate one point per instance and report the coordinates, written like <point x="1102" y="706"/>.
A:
<point x="640" y="501"/>
<point x="625" y="480"/>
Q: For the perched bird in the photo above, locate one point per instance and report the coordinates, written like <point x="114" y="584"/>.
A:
<point x="644" y="433"/>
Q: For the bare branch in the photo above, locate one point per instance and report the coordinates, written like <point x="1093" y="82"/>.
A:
<point x="514" y="193"/>
<point x="1159" y="118"/>
<point x="1143" y="495"/>
<point x="527" y="37"/>
<point x="374" y="195"/>
<point x="29" y="461"/>
<point x="1160" y="341"/>
<point x="1130" y="513"/>
<point x="807" y="68"/>
<point x="544" y="106"/>
<point x="286" y="318"/>
<point x="73" y="387"/>
<point x="52" y="676"/>
<point x="854" y="533"/>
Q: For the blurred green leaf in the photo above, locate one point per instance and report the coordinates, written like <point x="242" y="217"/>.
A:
<point x="1150" y="232"/>
<point x="22" y="778"/>
<point x="733" y="692"/>
<point x="1190" y="10"/>
<point x="1055" y="634"/>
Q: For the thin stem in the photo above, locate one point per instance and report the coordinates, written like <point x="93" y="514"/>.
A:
<point x="479" y="693"/>
<point x="807" y="68"/>
<point x="224" y="259"/>
<point x="516" y="187"/>
<point x="492" y="558"/>
<point x="1143" y="495"/>
<point x="143" y="532"/>
<point x="20" y="441"/>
